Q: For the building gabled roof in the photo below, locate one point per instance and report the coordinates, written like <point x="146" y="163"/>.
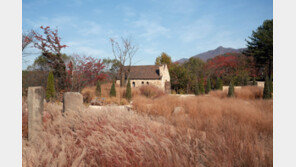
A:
<point x="142" y="72"/>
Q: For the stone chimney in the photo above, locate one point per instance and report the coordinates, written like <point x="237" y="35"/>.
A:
<point x="161" y="69"/>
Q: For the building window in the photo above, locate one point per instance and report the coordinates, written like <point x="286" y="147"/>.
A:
<point x="147" y="83"/>
<point x="142" y="82"/>
<point x="134" y="84"/>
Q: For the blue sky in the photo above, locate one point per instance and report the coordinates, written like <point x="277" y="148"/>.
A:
<point x="181" y="28"/>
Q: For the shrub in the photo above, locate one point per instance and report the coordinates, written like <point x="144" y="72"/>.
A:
<point x="201" y="86"/>
<point x="219" y="84"/>
<point x="208" y="87"/>
<point x="113" y="91"/>
<point x="50" y="90"/>
<point x="253" y="81"/>
<point x="98" y="89"/>
<point x="151" y="91"/>
<point x="231" y="90"/>
<point x="128" y="94"/>
<point x="266" y="90"/>
<point x="196" y="88"/>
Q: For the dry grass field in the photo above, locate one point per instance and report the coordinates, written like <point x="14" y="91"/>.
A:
<point x="210" y="130"/>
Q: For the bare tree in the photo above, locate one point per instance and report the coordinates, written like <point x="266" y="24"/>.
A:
<point x="124" y="53"/>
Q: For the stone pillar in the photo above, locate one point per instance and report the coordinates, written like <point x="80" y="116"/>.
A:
<point x="73" y="101"/>
<point x="35" y="110"/>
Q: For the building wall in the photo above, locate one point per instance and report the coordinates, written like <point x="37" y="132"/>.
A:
<point x="141" y="82"/>
<point x="163" y="71"/>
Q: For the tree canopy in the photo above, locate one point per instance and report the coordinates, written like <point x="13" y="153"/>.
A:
<point x="163" y="59"/>
<point x="260" y="46"/>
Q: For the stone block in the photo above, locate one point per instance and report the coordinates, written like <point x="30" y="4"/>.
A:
<point x="35" y="110"/>
<point x="225" y="88"/>
<point x="73" y="101"/>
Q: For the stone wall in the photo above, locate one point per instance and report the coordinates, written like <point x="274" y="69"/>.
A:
<point x="260" y="83"/>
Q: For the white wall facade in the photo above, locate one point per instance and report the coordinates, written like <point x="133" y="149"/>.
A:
<point x="160" y="83"/>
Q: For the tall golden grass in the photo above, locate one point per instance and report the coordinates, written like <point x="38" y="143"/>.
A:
<point x="107" y="138"/>
<point x="238" y="131"/>
<point x="89" y="93"/>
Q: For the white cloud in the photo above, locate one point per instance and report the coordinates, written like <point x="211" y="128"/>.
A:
<point x="199" y="29"/>
<point x="60" y="22"/>
<point x="91" y="28"/>
<point x="89" y="51"/>
<point x="150" y="29"/>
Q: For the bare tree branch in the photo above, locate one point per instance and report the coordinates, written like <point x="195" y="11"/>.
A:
<point x="123" y="53"/>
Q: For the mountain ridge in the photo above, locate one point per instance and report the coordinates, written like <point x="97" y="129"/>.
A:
<point x="213" y="53"/>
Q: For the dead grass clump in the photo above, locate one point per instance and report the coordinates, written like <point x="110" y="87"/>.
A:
<point x="151" y="91"/>
<point x="89" y="93"/>
<point x="249" y="92"/>
<point x="246" y="92"/>
<point x="238" y="131"/>
<point x="108" y="138"/>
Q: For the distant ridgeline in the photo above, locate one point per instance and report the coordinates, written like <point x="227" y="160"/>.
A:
<point x="213" y="53"/>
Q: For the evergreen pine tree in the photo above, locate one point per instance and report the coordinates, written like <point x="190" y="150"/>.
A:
<point x="219" y="83"/>
<point x="266" y="90"/>
<point x="113" y="91"/>
<point x="98" y="89"/>
<point x="208" y="87"/>
<point x="254" y="81"/>
<point x="231" y="89"/>
<point x="196" y="89"/>
<point x="201" y="86"/>
<point x="50" y="90"/>
<point x="245" y="81"/>
<point x="128" y="94"/>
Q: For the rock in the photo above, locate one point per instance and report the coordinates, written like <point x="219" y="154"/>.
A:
<point x="225" y="88"/>
<point x="98" y="101"/>
<point x="35" y="110"/>
<point x="73" y="101"/>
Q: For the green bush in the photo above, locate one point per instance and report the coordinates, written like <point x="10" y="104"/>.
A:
<point x="208" y="87"/>
<point x="196" y="89"/>
<point x="128" y="94"/>
<point x="50" y="90"/>
<point x="98" y="89"/>
<point x="231" y="89"/>
<point x="113" y="90"/>
<point x="253" y="81"/>
<point x="266" y="90"/>
<point x="201" y="86"/>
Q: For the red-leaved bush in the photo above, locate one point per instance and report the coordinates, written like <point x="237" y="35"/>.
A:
<point x="85" y="72"/>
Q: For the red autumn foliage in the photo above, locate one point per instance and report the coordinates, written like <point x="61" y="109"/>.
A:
<point x="222" y="64"/>
<point x="230" y="64"/>
<point x="50" y="43"/>
<point x="86" y="72"/>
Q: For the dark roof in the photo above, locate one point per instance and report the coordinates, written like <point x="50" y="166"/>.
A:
<point x="143" y="72"/>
